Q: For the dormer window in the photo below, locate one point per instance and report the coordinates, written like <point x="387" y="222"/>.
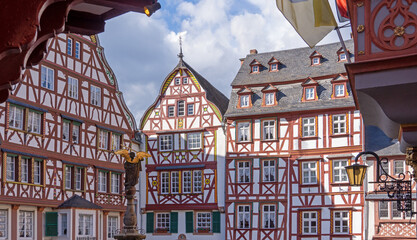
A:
<point x="315" y="58"/>
<point x="269" y="99"/>
<point x="309" y="90"/>
<point x="316" y="61"/>
<point x="274" y="67"/>
<point x="255" y="69"/>
<point x="255" y="66"/>
<point x="310" y="93"/>
<point x="339" y="90"/>
<point x="339" y="86"/>
<point x="244" y="101"/>
<point x="269" y="95"/>
<point x="273" y="64"/>
<point x="342" y="55"/>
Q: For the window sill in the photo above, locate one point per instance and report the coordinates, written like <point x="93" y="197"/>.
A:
<point x="269" y="140"/>
<point x="340" y="135"/>
<point x="342" y="184"/>
<point x="307" y="185"/>
<point x="309" y="138"/>
<point x="203" y="232"/>
<point x="243" y="142"/>
<point x="161" y="232"/>
<point x="23" y="183"/>
<point x="73" y="190"/>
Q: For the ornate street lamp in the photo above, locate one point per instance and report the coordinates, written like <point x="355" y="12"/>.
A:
<point x="397" y="188"/>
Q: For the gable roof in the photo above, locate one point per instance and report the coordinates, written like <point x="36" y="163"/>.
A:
<point x="78" y="202"/>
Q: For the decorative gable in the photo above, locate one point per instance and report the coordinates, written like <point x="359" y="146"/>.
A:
<point x="316" y="58"/>
<point x="245" y="98"/>
<point x="269" y="97"/>
<point x="339" y="85"/>
<point x="273" y="65"/>
<point x="309" y="90"/>
<point x="255" y="66"/>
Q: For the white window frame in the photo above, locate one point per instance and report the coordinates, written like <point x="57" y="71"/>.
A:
<point x="24" y="169"/>
<point x="47" y="78"/>
<point x="339" y="124"/>
<point x="399" y="167"/>
<point x="194" y="141"/>
<point x="78" y="178"/>
<point x="102" y="181"/>
<point x="382" y="209"/>
<point x="4" y="216"/>
<point x="255" y="69"/>
<point x="274" y="66"/>
<point x="63" y="224"/>
<point x="309" y="127"/>
<point x="175" y="182"/>
<point x="269" y="214"/>
<point x="163" y="221"/>
<point x="115" y="183"/>
<point x="268" y="130"/>
<point x="75" y="133"/>
<point x="243" y="131"/>
<point x="341" y="222"/>
<point x="112" y="226"/>
<point x="26" y="224"/>
<point x="16" y="116"/>
<point x="166" y="143"/>
<point x="339" y="171"/>
<point x="171" y="111"/>
<point x="243" y="217"/>
<point x="309" y="222"/>
<point x="268" y="171"/>
<point x="244" y="101"/>
<point x="309" y="172"/>
<point x="11" y="168"/>
<point x="34" y="122"/>
<point x="66" y="130"/>
<point x="203" y="221"/>
<point x="190" y="109"/>
<point x="310" y="92"/>
<point x="342" y="56"/>
<point x="243" y="172"/>
<point x="197" y="181"/>
<point x="164" y="182"/>
<point x="103" y="139"/>
<point x="181" y="108"/>
<point x="68" y="177"/>
<point x="186" y="181"/>
<point x="395" y="214"/>
<point x="269" y="99"/>
<point x="95" y="98"/>
<point x="177" y="81"/>
<point x="316" y="61"/>
<point x="339" y="90"/>
<point x="185" y="80"/>
<point x="85" y="225"/>
<point x="37" y="172"/>
<point x="72" y="87"/>
<point x="115" y="141"/>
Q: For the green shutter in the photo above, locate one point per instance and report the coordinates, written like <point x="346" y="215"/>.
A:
<point x="51" y="224"/>
<point x="216" y="222"/>
<point x="189" y="226"/>
<point x="149" y="222"/>
<point x="174" y="223"/>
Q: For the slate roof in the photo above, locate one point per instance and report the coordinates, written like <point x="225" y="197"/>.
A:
<point x="295" y="64"/>
<point x="376" y="141"/>
<point x="78" y="202"/>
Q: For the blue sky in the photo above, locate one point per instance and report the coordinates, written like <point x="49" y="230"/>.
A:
<point x="142" y="51"/>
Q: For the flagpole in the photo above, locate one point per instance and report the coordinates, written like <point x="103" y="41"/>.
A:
<point x="343" y="44"/>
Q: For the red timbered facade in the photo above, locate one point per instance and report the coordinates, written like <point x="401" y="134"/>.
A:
<point x="185" y="175"/>
<point x="291" y="129"/>
<point x="59" y="175"/>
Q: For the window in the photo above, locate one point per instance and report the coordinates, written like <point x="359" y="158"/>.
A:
<point x="339" y="124"/>
<point x="37" y="172"/>
<point x="204" y="221"/>
<point x="394" y="211"/>
<point x="26" y="224"/>
<point x="115" y="139"/>
<point x="64" y="224"/>
<point x="255" y="69"/>
<point x="383" y="209"/>
<point x="112" y="226"/>
<point x="309" y="222"/>
<point x="184" y="80"/>
<point x="74" y="178"/>
<point x="165" y="143"/>
<point x="72" y="87"/>
<point x="398" y="167"/>
<point x="186" y="181"/>
<point x="164" y="182"/>
<point x="244" y="101"/>
<point x="268" y="129"/>
<point x="316" y="61"/>
<point x="68" y="177"/>
<point x="47" y="78"/>
<point x="162" y="221"/>
<point x="77" y="50"/>
<point x="85" y="225"/>
<point x="95" y="96"/>
<point x="102" y="181"/>
<point x="181" y="110"/>
<point x="268" y="170"/>
<point x="310" y="93"/>
<point x="269" y="99"/>
<point x="190" y="109"/>
<point x="342" y="57"/>
<point x="243" y="172"/>
<point x="34" y="122"/>
<point x="103" y="139"/>
<point x="24" y="170"/>
<point x="74" y="126"/>
<point x="3" y="224"/>
<point x="177" y="81"/>
<point x="339" y="90"/>
<point x="243" y="131"/>
<point x="384" y="167"/>
<point x="309" y="127"/>
<point x="309" y="172"/>
<point x="16" y="117"/>
<point x="65" y="130"/>
<point x="339" y="171"/>
<point x="175" y="182"/>
<point x="341" y="221"/>
<point x="78" y="178"/>
<point x="243" y="216"/>
<point x="268" y="216"/>
<point x="171" y="111"/>
<point x="69" y="46"/>
<point x="75" y="133"/>
<point x="194" y="140"/>
<point x="11" y="168"/>
<point x="274" y="67"/>
<point x="197" y="181"/>
<point x="115" y="183"/>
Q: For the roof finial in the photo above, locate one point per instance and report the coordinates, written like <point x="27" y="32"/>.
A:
<point x="180" y="55"/>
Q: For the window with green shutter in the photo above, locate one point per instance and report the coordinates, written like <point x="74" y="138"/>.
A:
<point x="189" y="225"/>
<point x="51" y="224"/>
<point x="149" y="222"/>
<point x="216" y="222"/>
<point x="174" y="222"/>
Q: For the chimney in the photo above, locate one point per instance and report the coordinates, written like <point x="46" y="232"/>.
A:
<point x="253" y="51"/>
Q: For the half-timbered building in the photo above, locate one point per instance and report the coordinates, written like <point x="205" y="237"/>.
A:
<point x="59" y="176"/>
<point x="292" y="127"/>
<point x="185" y="174"/>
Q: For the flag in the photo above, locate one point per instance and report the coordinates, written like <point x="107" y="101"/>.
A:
<point x="312" y="19"/>
<point x="342" y="11"/>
